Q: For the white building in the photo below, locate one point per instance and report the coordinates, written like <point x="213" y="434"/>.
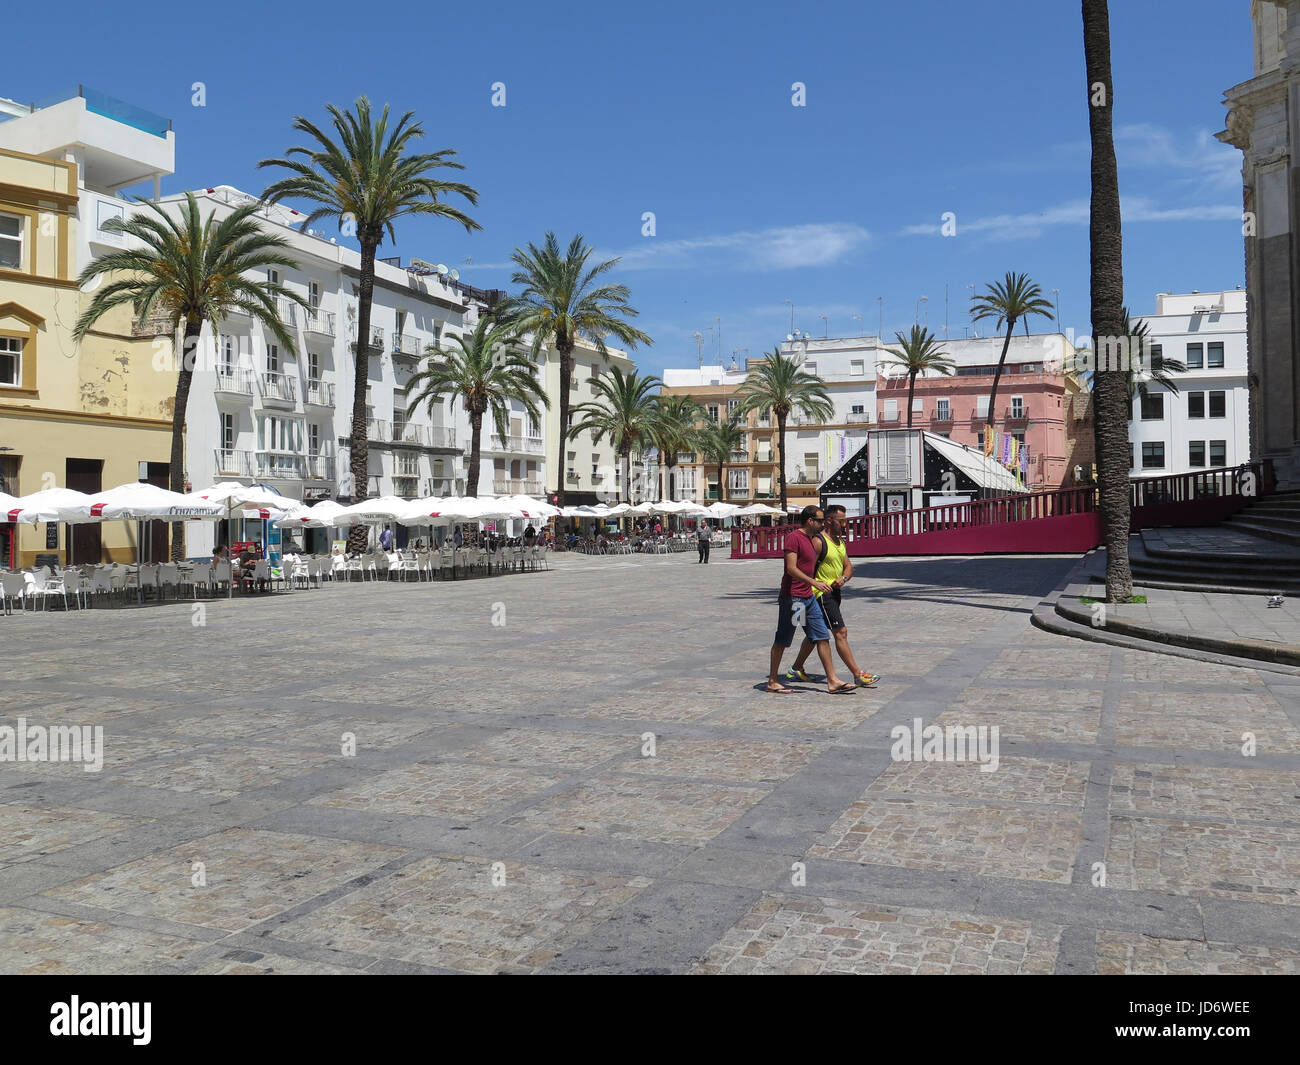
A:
<point x="1206" y="423"/>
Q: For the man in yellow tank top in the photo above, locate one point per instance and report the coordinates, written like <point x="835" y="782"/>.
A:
<point x="834" y="569"/>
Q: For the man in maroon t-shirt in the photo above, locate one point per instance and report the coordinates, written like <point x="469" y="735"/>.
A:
<point x="798" y="605"/>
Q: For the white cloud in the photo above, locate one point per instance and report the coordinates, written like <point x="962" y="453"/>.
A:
<point x="1029" y="225"/>
<point x="776" y="248"/>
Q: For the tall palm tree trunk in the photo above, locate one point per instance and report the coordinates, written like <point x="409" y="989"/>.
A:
<point x="1110" y="392"/>
<point x="997" y="376"/>
<point x="911" y="387"/>
<point x="780" y="466"/>
<point x="475" y="454"/>
<point x="176" y="465"/>
<point x="565" y="351"/>
<point x="359" y="535"/>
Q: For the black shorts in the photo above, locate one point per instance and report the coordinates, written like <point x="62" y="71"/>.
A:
<point x="831" y="609"/>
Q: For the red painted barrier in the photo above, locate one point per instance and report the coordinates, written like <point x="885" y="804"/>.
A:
<point x="1064" y="521"/>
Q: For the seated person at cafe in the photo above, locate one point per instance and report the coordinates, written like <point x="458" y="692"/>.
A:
<point x="530" y="536"/>
<point x="246" y="567"/>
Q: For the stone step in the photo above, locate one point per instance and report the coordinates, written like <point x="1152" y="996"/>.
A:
<point x="1285" y="510"/>
<point x="1262" y="562"/>
<point x="1267" y="532"/>
<point x="1274" y="521"/>
<point x="1281" y="583"/>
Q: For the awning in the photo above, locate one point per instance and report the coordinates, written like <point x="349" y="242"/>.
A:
<point x="985" y="472"/>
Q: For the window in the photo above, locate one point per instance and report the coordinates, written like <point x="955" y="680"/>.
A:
<point x="1218" y="452"/>
<point x="11" y="362"/>
<point x="11" y="241"/>
<point x="1153" y="455"/>
<point x="313" y="439"/>
<point x="979" y="440"/>
<point x="570" y="422"/>
<point x="1195" y="356"/>
<point x="534" y="430"/>
<point x="1218" y="404"/>
<point x="942" y="412"/>
<point x="227" y="432"/>
<point x="765" y="416"/>
<point x="1214" y="356"/>
<point x="1196" y="404"/>
<point x="1153" y="408"/>
<point x="890" y="413"/>
<point x="313" y="295"/>
<point x="732" y="404"/>
<point x="595" y="371"/>
<point x="713" y="412"/>
<point x="857" y="408"/>
<point x="1017" y="406"/>
<point x="272" y="358"/>
<point x="856" y="368"/>
<point x="982" y="407"/>
<point x="227" y="355"/>
<point x="1157" y="356"/>
<point x="810" y="367"/>
<point x="313" y="367"/>
<point x="272" y="277"/>
<point x="1196" y="453"/>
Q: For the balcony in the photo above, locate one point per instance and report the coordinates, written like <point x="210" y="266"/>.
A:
<point x="528" y="445"/>
<point x="1017" y="413"/>
<point x="319" y="394"/>
<point x="889" y="417"/>
<point x="282" y="465"/>
<point x="318" y="324"/>
<point x="443" y="486"/>
<point x="941" y="415"/>
<point x="233" y="381"/>
<point x="406" y="347"/>
<point x="513" y="487"/>
<point x="320" y="467"/>
<point x="278" y="388"/>
<point x="288" y="312"/>
<point x="737" y="493"/>
<point x="154" y="326"/>
<point x="859" y="418"/>
<point x="442" y="436"/>
<point x="405" y="432"/>
<point x="738" y="456"/>
<point x="378" y="431"/>
<point x="685" y="457"/>
<point x="231" y="463"/>
<point x="806" y="475"/>
<point x="572" y="475"/>
<point x="597" y="478"/>
<point x="376" y="345"/>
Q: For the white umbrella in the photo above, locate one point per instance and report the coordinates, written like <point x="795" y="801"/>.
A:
<point x="614" y="512"/>
<point x="322" y="516"/>
<point x="720" y="510"/>
<point x="755" y="510"/>
<point x="532" y="508"/>
<point x="233" y="494"/>
<point x="142" y="502"/>
<point x="378" y="511"/>
<point x="46" y="505"/>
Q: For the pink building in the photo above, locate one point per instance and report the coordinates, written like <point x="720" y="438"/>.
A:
<point x="1031" y="404"/>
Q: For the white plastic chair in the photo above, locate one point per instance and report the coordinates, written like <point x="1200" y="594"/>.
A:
<point x="13" y="586"/>
<point x="168" y="574"/>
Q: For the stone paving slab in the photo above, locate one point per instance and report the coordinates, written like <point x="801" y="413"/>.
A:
<point x="764" y="834"/>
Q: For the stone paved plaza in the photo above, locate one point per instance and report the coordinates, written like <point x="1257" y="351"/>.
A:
<point x="500" y="813"/>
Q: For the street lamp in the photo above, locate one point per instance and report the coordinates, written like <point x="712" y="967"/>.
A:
<point x="826" y="329"/>
<point x="926" y="301"/>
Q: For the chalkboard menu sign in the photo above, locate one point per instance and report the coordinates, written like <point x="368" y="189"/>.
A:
<point x="52" y="535"/>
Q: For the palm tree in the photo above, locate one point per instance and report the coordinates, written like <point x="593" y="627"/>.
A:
<point x="780" y="384"/>
<point x="367" y="179"/>
<point x="624" y="410"/>
<point x="672" y="431"/>
<point x="1105" y="239"/>
<point x="1013" y="299"/>
<point x="558" y="305"/>
<point x="919" y="353"/>
<point x="487" y="373"/>
<point x="718" y="441"/>
<point x="1160" y="371"/>
<point x="190" y="270"/>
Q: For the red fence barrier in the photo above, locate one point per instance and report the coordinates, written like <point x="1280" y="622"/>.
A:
<point x="1063" y="521"/>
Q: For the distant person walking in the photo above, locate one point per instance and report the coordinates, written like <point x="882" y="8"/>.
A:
<point x="386" y="538"/>
<point x="798" y="604"/>
<point x="834" y="569"/>
<point x="704" y="540"/>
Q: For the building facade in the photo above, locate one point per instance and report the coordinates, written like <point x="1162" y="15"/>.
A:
<point x="94" y="414"/>
<point x="1263" y="113"/>
<point x="1205" y="423"/>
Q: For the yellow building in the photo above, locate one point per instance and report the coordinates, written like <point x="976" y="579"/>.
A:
<point x="87" y="416"/>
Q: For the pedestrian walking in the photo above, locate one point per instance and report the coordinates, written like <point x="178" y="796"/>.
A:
<point x="835" y="569"/>
<point x="798" y="604"/>
<point x="704" y="540"/>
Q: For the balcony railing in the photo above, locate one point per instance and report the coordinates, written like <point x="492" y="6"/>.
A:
<point x="806" y="476"/>
<point x="572" y="475"/>
<point x="511" y="487"/>
<point x="597" y="478"/>
<point x="941" y="414"/>
<point x="737" y="493"/>
<point x="320" y="394"/>
<point x="889" y="416"/>
<point x="406" y="346"/>
<point x="280" y="464"/>
<point x="376" y="345"/>
<point x="288" y="311"/>
<point x="230" y="379"/>
<point x="1017" y="413"/>
<point x="685" y="456"/>
<point x="442" y="436"/>
<point x="233" y="463"/>
<point x="319" y="323"/>
<point x="278" y="387"/>
<point x="738" y="456"/>
<point x="531" y="445"/>
<point x="320" y="467"/>
<point x="378" y="431"/>
<point x="859" y="418"/>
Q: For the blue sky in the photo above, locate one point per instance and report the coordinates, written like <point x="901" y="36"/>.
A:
<point x="683" y="109"/>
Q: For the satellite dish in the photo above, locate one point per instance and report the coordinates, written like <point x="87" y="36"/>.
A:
<point x="442" y="269"/>
<point x="454" y="275"/>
